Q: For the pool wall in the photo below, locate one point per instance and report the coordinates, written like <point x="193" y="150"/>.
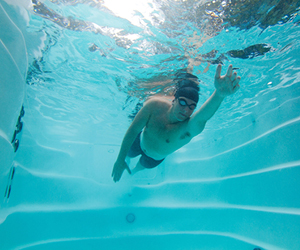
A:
<point x="13" y="65"/>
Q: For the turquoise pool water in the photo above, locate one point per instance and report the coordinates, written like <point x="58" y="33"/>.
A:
<point x="81" y="68"/>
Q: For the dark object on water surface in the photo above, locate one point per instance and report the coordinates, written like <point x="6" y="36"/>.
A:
<point x="250" y="52"/>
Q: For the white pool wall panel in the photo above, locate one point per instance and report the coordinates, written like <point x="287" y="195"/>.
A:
<point x="13" y="69"/>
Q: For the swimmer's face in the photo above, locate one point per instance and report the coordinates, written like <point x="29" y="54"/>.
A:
<point x="184" y="108"/>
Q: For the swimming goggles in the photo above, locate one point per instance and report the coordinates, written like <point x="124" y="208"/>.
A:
<point x="183" y="103"/>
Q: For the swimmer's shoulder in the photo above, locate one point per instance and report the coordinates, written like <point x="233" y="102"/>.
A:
<point x="159" y="101"/>
<point x="157" y="104"/>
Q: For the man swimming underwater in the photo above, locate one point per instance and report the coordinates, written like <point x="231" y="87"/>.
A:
<point x="162" y="125"/>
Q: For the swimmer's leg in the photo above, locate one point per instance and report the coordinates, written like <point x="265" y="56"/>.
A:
<point x="146" y="162"/>
<point x="137" y="168"/>
<point x="128" y="160"/>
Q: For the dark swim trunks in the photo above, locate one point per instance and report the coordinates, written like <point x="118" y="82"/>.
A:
<point x="135" y="150"/>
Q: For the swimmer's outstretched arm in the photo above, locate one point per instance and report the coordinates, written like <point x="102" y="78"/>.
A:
<point x="224" y="86"/>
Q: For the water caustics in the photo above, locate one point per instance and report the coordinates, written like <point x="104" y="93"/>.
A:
<point x="91" y="65"/>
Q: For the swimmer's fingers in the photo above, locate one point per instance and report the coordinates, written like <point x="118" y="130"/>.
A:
<point x="233" y="77"/>
<point x="236" y="81"/>
<point x="227" y="84"/>
<point x="117" y="175"/>
<point x="118" y="170"/>
<point x="229" y="71"/>
<point x="114" y="174"/>
<point x="218" y="71"/>
<point x="236" y="85"/>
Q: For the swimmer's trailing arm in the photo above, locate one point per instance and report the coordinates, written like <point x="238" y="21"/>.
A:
<point x="120" y="164"/>
<point x="135" y="128"/>
<point x="225" y="85"/>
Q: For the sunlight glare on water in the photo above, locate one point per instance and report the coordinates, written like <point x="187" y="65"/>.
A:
<point x="132" y="10"/>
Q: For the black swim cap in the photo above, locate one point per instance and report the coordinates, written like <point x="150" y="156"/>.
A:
<point x="184" y="75"/>
<point x="188" y="89"/>
<point x="188" y="92"/>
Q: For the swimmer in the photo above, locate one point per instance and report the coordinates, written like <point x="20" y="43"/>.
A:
<point x="162" y="125"/>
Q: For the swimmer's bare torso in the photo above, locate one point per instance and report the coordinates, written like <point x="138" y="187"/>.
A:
<point x="159" y="139"/>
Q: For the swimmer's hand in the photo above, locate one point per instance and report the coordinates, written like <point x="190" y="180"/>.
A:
<point x="118" y="170"/>
<point x="228" y="84"/>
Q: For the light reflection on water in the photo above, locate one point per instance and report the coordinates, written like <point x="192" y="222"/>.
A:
<point x="92" y="58"/>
